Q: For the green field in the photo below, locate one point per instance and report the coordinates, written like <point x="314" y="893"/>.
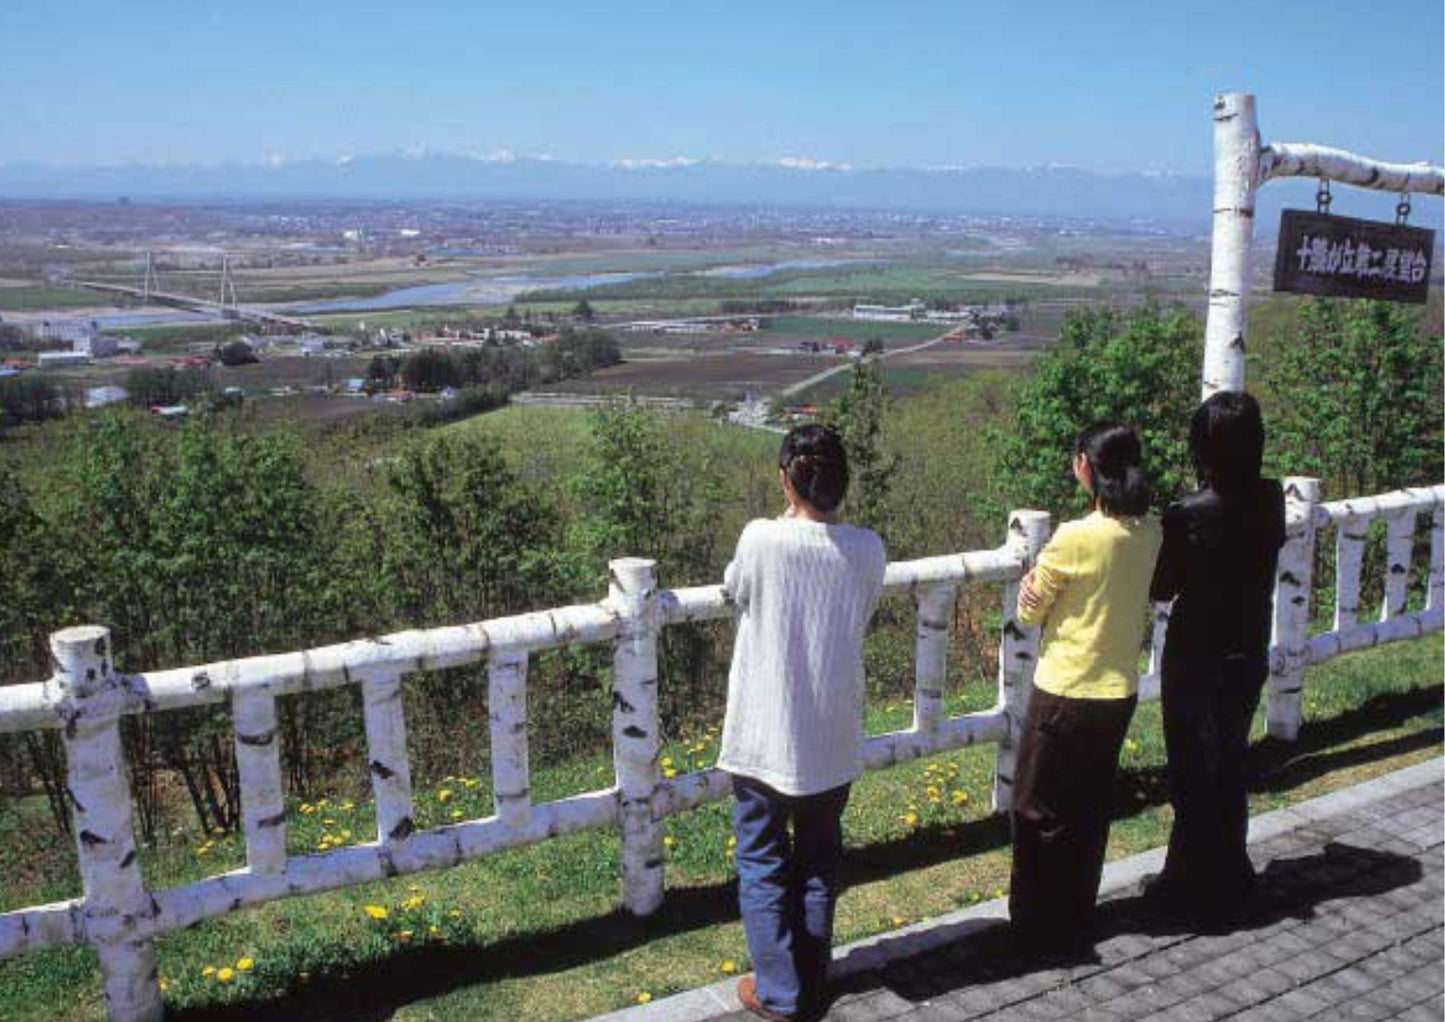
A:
<point x="36" y="299"/>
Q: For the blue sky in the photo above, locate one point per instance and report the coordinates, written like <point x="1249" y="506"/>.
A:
<point x="1108" y="85"/>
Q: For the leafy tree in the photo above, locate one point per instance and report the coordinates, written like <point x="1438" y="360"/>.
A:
<point x="470" y="541"/>
<point x="236" y="353"/>
<point x="859" y="414"/>
<point x="30" y="399"/>
<point x="1357" y="397"/>
<point x="1140" y="367"/>
<point x="583" y="310"/>
<point x="168" y="385"/>
<point x="429" y="370"/>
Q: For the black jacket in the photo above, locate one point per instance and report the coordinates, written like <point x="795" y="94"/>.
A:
<point x="1218" y="558"/>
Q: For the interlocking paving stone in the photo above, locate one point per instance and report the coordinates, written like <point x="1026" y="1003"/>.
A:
<point x="1349" y="924"/>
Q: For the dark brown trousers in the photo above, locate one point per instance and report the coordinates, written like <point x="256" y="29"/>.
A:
<point x="1062" y="800"/>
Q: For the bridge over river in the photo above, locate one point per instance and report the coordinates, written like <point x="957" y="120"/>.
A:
<point x="192" y="303"/>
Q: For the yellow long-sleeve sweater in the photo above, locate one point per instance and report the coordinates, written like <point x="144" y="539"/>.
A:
<point x="1093" y="584"/>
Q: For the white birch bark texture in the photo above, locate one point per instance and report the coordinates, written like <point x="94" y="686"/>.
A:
<point x="507" y="710"/>
<point x="258" y="768"/>
<point x="1236" y="176"/>
<point x="386" y="759"/>
<point x="1305" y="159"/>
<point x="1349" y="562"/>
<point x="1292" y="609"/>
<point x="1436" y="598"/>
<point x="1018" y="653"/>
<point x="1399" y="542"/>
<point x="117" y="908"/>
<point x="635" y="724"/>
<point x="934" y="605"/>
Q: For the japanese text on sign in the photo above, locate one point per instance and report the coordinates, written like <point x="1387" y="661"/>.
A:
<point x="1335" y="255"/>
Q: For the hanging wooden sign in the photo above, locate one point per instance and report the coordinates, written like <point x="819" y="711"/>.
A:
<point x="1320" y="254"/>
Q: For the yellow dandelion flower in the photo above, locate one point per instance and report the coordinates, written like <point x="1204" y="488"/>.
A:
<point x="433" y="931"/>
<point x="444" y="795"/>
<point x="209" y="970"/>
<point x="909" y="818"/>
<point x="455" y="913"/>
<point x="164" y="986"/>
<point x="959" y="797"/>
<point x="728" y="966"/>
<point x="328" y="823"/>
<point x="346" y="835"/>
<point x="376" y="911"/>
<point x="669" y="772"/>
<point x="404" y="936"/>
<point x="669" y="841"/>
<point x="998" y="892"/>
<point x="225" y="975"/>
<point x="245" y="964"/>
<point x="732" y="840"/>
<point x="666" y="761"/>
<point x="456" y="814"/>
<point x="415" y="901"/>
<point x="643" y="997"/>
<point x="348" y="806"/>
<point x="898" y="920"/>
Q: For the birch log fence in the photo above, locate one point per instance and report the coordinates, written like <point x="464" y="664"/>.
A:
<point x="86" y="698"/>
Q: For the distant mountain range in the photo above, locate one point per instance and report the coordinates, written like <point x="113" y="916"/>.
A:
<point x="1042" y="191"/>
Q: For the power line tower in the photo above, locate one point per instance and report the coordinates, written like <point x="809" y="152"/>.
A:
<point x="152" y="278"/>
<point x="228" y="284"/>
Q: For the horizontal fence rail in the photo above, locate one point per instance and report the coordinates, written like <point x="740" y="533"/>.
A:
<point x="86" y="698"/>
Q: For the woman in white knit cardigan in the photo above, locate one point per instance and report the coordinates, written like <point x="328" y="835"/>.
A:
<point x="805" y="586"/>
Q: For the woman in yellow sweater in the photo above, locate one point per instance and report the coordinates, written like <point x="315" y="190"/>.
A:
<point x="1090" y="589"/>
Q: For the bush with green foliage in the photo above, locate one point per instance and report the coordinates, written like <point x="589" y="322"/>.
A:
<point x="1139" y="367"/>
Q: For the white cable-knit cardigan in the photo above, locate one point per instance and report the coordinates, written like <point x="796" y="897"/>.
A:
<point x="805" y="591"/>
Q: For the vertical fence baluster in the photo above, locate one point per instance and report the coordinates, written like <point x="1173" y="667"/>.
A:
<point x="1399" y="543"/>
<point x="117" y="907"/>
<point x="258" y="767"/>
<point x="635" y="739"/>
<point x="1436" y="591"/>
<point x="1018" y="653"/>
<point x="507" y="708"/>
<point x="1349" y="557"/>
<point x="935" y="605"/>
<point x="1292" y="608"/>
<point x="386" y="755"/>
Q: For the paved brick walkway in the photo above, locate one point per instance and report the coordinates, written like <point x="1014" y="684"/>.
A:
<point x="1348" y="925"/>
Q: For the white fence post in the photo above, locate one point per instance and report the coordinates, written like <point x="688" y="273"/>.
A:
<point x="1349" y="559"/>
<point x="1399" y="544"/>
<point x="635" y="726"/>
<point x="935" y="604"/>
<point x="507" y="708"/>
<point x="117" y="905"/>
<point x="386" y="758"/>
<point x="258" y="767"/>
<point x="1236" y="178"/>
<point x="1292" y="608"/>
<point x="1018" y="653"/>
<point x="1436" y="592"/>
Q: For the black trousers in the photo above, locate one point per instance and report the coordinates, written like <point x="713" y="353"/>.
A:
<point x="1062" y="801"/>
<point x="1209" y="704"/>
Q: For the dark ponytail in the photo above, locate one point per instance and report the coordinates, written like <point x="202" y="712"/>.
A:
<point x="1114" y="455"/>
<point x="816" y="465"/>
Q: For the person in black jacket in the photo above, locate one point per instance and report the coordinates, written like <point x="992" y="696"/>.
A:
<point x="1218" y="560"/>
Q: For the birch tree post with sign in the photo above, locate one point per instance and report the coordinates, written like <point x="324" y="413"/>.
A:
<point x="1319" y="248"/>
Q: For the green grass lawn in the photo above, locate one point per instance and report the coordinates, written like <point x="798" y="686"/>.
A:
<point x="535" y="933"/>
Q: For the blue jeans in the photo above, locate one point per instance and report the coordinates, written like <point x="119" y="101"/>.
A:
<point x="787" y="888"/>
